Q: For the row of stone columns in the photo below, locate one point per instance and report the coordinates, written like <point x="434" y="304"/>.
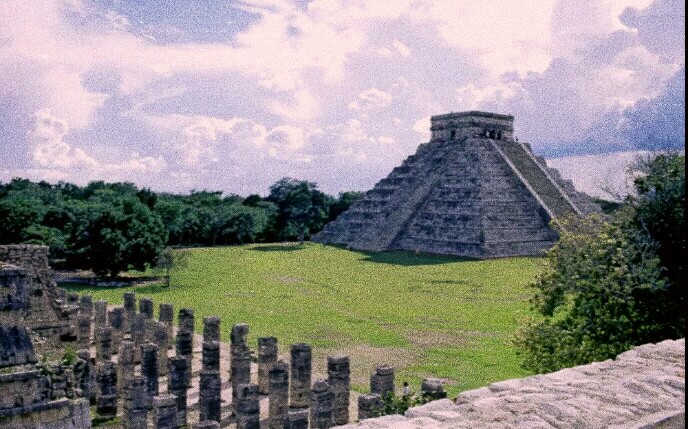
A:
<point x="295" y="401"/>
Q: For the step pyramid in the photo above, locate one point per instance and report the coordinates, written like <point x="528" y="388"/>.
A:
<point x="472" y="191"/>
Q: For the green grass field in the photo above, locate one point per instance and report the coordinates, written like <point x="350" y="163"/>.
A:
<point x="426" y="315"/>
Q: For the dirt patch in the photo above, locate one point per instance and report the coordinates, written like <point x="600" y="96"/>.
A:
<point x="286" y="279"/>
<point x="425" y="339"/>
<point x="364" y="358"/>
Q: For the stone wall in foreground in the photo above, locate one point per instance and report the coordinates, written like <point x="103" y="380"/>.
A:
<point x="643" y="388"/>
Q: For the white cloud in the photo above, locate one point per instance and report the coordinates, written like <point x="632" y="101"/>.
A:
<point x="331" y="91"/>
<point x="371" y="99"/>
<point x="605" y="176"/>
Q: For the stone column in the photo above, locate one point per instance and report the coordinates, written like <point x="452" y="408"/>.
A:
<point x="116" y="321"/>
<point x="322" y="405"/>
<point x="129" y="309"/>
<point x="211" y="328"/>
<point x="86" y="306"/>
<point x="240" y="360"/>
<point x="267" y="356"/>
<point x="125" y="364"/>
<point x="138" y="334"/>
<point x="165" y="412"/>
<point x="432" y="389"/>
<point x="92" y="382"/>
<point x="161" y="339"/>
<point x="100" y="313"/>
<point x="300" y="386"/>
<point x="106" y="379"/>
<point x="209" y="393"/>
<point x="296" y="419"/>
<point x="103" y="343"/>
<point x="166" y="316"/>
<point x="278" y="388"/>
<point x="339" y="377"/>
<point x="382" y="380"/>
<point x="211" y="356"/>
<point x="248" y="407"/>
<point x="135" y="414"/>
<point x="178" y="385"/>
<point x="184" y="343"/>
<point x="83" y="331"/>
<point x="149" y="369"/>
<point x="146" y="307"/>
<point x="210" y="390"/>
<point x="369" y="406"/>
<point x="83" y="373"/>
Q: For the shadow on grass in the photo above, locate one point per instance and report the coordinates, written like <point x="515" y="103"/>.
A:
<point x="409" y="258"/>
<point x="278" y="248"/>
<point x="149" y="288"/>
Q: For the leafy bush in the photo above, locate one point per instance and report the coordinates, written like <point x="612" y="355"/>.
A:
<point x="613" y="282"/>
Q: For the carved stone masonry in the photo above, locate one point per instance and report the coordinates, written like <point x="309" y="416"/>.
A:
<point x="211" y="328"/>
<point x="300" y="386"/>
<point x="339" y="377"/>
<point x="83" y="331"/>
<point x="178" y="385"/>
<point x="267" y="356"/>
<point x="240" y="360"/>
<point x="184" y="343"/>
<point x="296" y="419"/>
<point x="382" y="380"/>
<point x="322" y="405"/>
<point x="165" y="412"/>
<point x="129" y="309"/>
<point x="135" y="413"/>
<point x="166" y="316"/>
<point x="149" y="369"/>
<point x="126" y="363"/>
<point x="106" y="379"/>
<point x="103" y="343"/>
<point x="161" y="339"/>
<point x="116" y="321"/>
<point x="248" y="407"/>
<point x="279" y="395"/>
<point x="209" y="391"/>
<point x="369" y="406"/>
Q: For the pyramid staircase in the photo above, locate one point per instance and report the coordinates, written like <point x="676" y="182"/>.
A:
<point x="543" y="187"/>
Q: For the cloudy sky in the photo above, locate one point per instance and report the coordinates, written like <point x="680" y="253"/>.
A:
<point x="232" y="95"/>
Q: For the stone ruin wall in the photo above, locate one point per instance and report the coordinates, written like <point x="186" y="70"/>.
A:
<point x="33" y="395"/>
<point x="643" y="388"/>
<point x="48" y="313"/>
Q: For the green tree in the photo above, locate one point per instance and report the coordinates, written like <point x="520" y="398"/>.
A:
<point x="607" y="285"/>
<point x="170" y="260"/>
<point x="302" y="207"/>
<point x="116" y="235"/>
<point x="660" y="210"/>
<point x="342" y="203"/>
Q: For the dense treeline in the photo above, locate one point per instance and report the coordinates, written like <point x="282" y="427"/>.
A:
<point x="113" y="227"/>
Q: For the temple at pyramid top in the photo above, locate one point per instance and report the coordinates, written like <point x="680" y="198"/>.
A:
<point x="452" y="125"/>
<point x="472" y="190"/>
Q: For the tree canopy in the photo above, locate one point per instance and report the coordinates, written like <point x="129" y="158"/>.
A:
<point x="114" y="227"/>
<point x="613" y="281"/>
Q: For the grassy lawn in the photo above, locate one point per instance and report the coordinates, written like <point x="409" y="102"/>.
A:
<point x="426" y="315"/>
